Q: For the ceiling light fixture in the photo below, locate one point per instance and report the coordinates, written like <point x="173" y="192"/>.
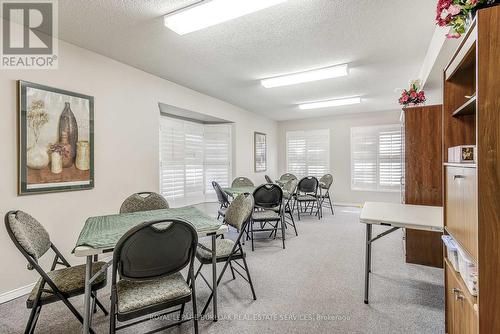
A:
<point x="307" y="76"/>
<point x="331" y="103"/>
<point x="209" y="13"/>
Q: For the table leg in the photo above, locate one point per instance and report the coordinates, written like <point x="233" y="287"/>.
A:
<point x="86" y="306"/>
<point x="368" y="259"/>
<point x="214" y="276"/>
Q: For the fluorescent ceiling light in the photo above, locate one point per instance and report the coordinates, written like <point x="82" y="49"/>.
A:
<point x="307" y="76"/>
<point x="331" y="103"/>
<point x="209" y="13"/>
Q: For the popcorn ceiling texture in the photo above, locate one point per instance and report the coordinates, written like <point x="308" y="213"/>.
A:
<point x="385" y="41"/>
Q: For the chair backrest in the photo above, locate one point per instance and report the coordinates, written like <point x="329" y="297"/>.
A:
<point x="268" y="179"/>
<point x="308" y="184"/>
<point x="155" y="249"/>
<point x="29" y="236"/>
<point x="268" y="196"/>
<point x="239" y="211"/>
<point x="242" y="182"/>
<point x="326" y="181"/>
<point x="287" y="177"/>
<point x="144" y="201"/>
<point x="290" y="186"/>
<point x="221" y="194"/>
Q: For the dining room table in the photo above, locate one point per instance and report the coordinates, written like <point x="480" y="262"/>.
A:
<point x="100" y="235"/>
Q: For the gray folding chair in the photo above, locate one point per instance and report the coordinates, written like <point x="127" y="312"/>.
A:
<point x="229" y="251"/>
<point x="325" y="182"/>
<point x="242" y="182"/>
<point x="144" y="201"/>
<point x="148" y="259"/>
<point x="222" y="198"/>
<point x="307" y="193"/>
<point x="33" y="241"/>
<point x="268" y="210"/>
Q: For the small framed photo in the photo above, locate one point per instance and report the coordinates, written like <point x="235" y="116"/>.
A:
<point x="56" y="140"/>
<point x="260" y="152"/>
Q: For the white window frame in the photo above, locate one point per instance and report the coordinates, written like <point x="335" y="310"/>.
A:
<point x="308" y="134"/>
<point x="378" y="129"/>
<point x="206" y="193"/>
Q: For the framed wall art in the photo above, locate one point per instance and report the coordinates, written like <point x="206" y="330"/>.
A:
<point x="56" y="139"/>
<point x="260" y="152"/>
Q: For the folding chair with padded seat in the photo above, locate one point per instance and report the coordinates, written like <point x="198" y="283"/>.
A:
<point x="268" y="209"/>
<point x="307" y="192"/>
<point x="242" y="182"/>
<point x="143" y="201"/>
<point x="148" y="259"/>
<point x="229" y="251"/>
<point x="325" y="182"/>
<point x="33" y="241"/>
<point x="222" y="198"/>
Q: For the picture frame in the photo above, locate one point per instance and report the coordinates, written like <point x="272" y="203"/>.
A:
<point x="260" y="152"/>
<point x="55" y="139"/>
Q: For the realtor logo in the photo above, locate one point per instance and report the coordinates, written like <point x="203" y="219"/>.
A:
<point x="28" y="35"/>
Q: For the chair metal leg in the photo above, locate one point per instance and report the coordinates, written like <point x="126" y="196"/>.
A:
<point x="331" y="205"/>
<point x="181" y="312"/>
<point x="232" y="270"/>
<point x="251" y="235"/>
<point x="195" y="308"/>
<point x="282" y="230"/>
<point x="30" y="326"/>
<point x="298" y="209"/>
<point x="249" y="279"/>
<point x="112" y="316"/>
<point x="293" y="224"/>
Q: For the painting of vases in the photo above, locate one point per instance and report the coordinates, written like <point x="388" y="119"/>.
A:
<point x="56" y="139"/>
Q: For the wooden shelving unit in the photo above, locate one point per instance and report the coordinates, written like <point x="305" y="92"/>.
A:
<point x="472" y="191"/>
<point x="468" y="108"/>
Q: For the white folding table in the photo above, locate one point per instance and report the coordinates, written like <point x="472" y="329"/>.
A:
<point x="417" y="217"/>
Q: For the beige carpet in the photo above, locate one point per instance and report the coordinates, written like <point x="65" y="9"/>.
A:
<point x="315" y="285"/>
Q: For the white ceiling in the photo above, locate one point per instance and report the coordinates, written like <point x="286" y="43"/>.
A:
<point x="384" y="41"/>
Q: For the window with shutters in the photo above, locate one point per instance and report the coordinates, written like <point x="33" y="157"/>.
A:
<point x="308" y="152"/>
<point x="376" y="158"/>
<point x="193" y="155"/>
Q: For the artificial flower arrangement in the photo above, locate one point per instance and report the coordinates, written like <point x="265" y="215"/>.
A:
<point x="413" y="95"/>
<point x="454" y="13"/>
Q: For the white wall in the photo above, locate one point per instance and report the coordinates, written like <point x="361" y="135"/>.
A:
<point x="340" y="154"/>
<point x="126" y="145"/>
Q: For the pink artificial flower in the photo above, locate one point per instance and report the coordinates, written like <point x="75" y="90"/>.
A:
<point x="454" y="10"/>
<point x="472" y="2"/>
<point x="405" y="98"/>
<point x="453" y="35"/>
<point x="413" y="94"/>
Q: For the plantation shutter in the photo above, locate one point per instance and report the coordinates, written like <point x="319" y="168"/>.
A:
<point x="217" y="156"/>
<point x="376" y="158"/>
<point x="308" y="152"/>
<point x="172" y="158"/>
<point x="192" y="155"/>
<point x="390" y="162"/>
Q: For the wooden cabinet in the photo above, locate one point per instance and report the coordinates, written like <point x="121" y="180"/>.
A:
<point x="461" y="207"/>
<point x="471" y="116"/>
<point x="461" y="317"/>
<point x="423" y="178"/>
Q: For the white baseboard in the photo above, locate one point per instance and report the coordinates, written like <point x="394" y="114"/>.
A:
<point x="356" y="205"/>
<point x="16" y="293"/>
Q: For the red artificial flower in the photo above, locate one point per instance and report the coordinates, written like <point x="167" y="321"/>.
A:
<point x="421" y="95"/>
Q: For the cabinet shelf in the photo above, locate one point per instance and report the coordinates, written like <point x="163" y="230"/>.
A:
<point x="468" y="108"/>
<point x="461" y="164"/>
<point x="460" y="245"/>
<point x="465" y="56"/>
